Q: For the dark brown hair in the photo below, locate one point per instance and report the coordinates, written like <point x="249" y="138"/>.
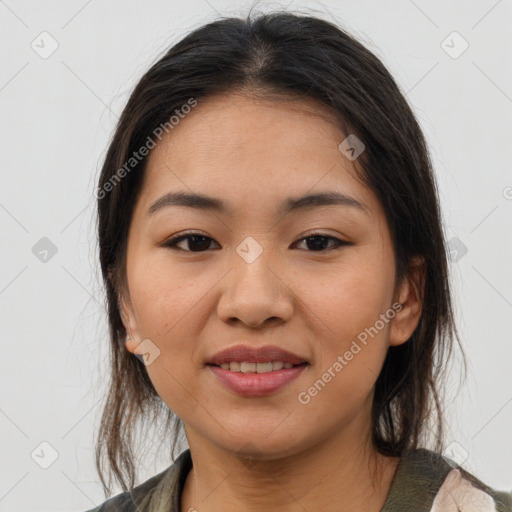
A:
<point x="283" y="55"/>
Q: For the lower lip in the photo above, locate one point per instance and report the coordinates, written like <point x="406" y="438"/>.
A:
<point x="257" y="384"/>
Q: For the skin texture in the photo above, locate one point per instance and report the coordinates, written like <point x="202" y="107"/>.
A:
<point x="270" y="452"/>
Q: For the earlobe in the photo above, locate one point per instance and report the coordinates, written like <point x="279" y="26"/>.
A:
<point x="130" y="344"/>
<point x="129" y="323"/>
<point x="410" y="298"/>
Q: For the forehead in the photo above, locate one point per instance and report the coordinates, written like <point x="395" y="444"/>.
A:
<point x="247" y="125"/>
<point x="253" y="150"/>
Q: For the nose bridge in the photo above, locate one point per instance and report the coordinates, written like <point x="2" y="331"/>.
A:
<point x="254" y="291"/>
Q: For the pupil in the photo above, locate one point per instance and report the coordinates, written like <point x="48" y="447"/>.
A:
<point x="194" y="238"/>
<point x="318" y="242"/>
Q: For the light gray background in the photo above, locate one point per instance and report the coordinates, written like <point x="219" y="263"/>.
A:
<point x="57" y="115"/>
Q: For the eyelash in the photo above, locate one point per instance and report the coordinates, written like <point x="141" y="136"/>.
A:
<point x="172" y="242"/>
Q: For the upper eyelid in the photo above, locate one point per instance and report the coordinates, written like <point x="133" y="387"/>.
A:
<point x="196" y="233"/>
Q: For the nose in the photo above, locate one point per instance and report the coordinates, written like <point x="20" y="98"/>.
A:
<point x="255" y="293"/>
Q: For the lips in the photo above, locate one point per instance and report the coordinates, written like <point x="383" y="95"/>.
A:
<point x="247" y="354"/>
<point x="256" y="372"/>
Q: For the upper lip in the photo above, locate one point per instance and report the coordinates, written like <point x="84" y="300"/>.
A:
<point x="245" y="353"/>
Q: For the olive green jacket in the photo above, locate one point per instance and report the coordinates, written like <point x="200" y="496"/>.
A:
<point x="424" y="482"/>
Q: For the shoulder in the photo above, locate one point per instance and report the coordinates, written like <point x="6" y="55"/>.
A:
<point x="462" y="491"/>
<point x="430" y="482"/>
<point x="121" y="503"/>
<point x="127" y="501"/>
<point x="441" y="485"/>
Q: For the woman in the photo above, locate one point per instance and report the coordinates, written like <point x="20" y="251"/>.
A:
<point x="272" y="249"/>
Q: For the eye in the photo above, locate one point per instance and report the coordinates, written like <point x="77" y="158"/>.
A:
<point x="196" y="242"/>
<point x="318" y="242"/>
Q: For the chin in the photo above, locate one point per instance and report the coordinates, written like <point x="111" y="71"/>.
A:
<point x="262" y="446"/>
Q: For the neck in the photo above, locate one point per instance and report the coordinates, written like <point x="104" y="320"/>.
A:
<point x="335" y="474"/>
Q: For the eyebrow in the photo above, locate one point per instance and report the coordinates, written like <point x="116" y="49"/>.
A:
<point x="208" y="203"/>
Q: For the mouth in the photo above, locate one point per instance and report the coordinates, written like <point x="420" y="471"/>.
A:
<point x="256" y="372"/>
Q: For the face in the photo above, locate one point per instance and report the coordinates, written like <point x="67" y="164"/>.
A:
<point x="316" y="279"/>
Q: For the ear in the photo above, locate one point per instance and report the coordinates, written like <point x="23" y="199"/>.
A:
<point x="410" y="295"/>
<point x="130" y="323"/>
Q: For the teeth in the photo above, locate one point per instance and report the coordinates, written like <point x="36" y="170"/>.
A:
<point x="263" y="367"/>
<point x="247" y="367"/>
<point x="234" y="367"/>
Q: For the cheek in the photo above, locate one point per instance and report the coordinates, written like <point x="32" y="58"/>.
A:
<point x="352" y="350"/>
<point x="352" y="295"/>
<point x="171" y="313"/>
<point x="350" y="304"/>
<point x="164" y="298"/>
